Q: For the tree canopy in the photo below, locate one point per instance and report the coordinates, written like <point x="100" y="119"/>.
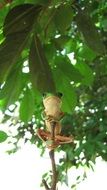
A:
<point x="55" y="46"/>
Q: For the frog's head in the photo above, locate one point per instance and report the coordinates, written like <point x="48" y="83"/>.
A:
<point x="52" y="104"/>
<point x="47" y="94"/>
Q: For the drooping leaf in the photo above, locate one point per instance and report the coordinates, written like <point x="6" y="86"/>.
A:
<point x="17" y="34"/>
<point x="41" y="75"/>
<point x="47" y="24"/>
<point x="10" y="51"/>
<point x="63" y="17"/>
<point x="63" y="85"/>
<point x="20" y="19"/>
<point x="90" y="33"/>
<point x="27" y="106"/>
<point x="3" y="136"/>
<point x="86" y="71"/>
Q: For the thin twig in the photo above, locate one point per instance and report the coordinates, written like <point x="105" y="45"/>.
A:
<point x="45" y="185"/>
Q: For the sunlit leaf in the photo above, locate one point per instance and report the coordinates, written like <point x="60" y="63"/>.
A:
<point x="3" y="13"/>
<point x="12" y="87"/>
<point x="63" y="85"/>
<point x="27" y="106"/>
<point x="3" y="136"/>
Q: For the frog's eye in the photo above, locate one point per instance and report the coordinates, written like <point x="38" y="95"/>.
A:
<point x="44" y="95"/>
<point x="59" y="94"/>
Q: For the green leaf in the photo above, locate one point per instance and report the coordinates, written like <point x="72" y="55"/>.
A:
<point x="64" y="65"/>
<point x="47" y="25"/>
<point x="3" y="136"/>
<point x="10" y="51"/>
<point x="104" y="24"/>
<point x="86" y="71"/>
<point x="27" y="106"/>
<point x="87" y="53"/>
<point x="90" y="33"/>
<point x="63" y="85"/>
<point x="63" y="17"/>
<point x="16" y="38"/>
<point x="50" y="51"/>
<point x="61" y="42"/>
<point x="44" y="2"/>
<point x="69" y="99"/>
<point x="3" y="13"/>
<point x="20" y="19"/>
<point x="56" y="2"/>
<point x="12" y="87"/>
<point x="41" y="75"/>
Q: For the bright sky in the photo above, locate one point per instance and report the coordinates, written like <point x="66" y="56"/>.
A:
<point x="23" y="171"/>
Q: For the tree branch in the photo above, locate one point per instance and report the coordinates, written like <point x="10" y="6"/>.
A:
<point x="54" y="173"/>
<point x="52" y="157"/>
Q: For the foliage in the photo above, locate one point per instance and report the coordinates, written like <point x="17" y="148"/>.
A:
<point x="56" y="46"/>
<point x="3" y="136"/>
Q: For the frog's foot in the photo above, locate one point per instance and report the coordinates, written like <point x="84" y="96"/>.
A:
<point x="52" y="144"/>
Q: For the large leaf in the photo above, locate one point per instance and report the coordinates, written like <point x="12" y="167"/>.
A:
<point x="63" y="17"/>
<point x="41" y="75"/>
<point x="64" y="65"/>
<point x="17" y="36"/>
<point x="12" y="87"/>
<point x="20" y="18"/>
<point x="63" y="85"/>
<point x="47" y="25"/>
<point x="3" y="136"/>
<point x="27" y="106"/>
<point x="10" y="51"/>
<point x="90" y="33"/>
